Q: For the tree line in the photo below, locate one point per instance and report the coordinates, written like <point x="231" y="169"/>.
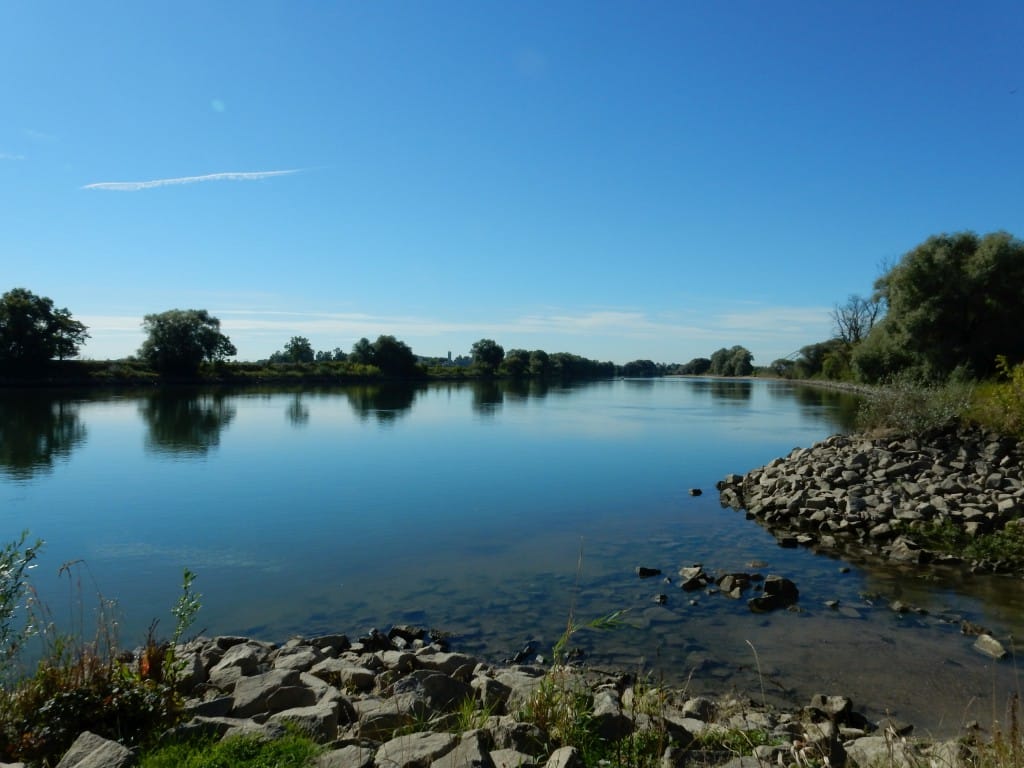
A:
<point x="949" y="309"/>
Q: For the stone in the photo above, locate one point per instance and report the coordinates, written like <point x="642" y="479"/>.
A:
<point x="344" y="674"/>
<point x="565" y="757"/>
<point x="472" y="752"/>
<point x="608" y="718"/>
<point x="318" y="722"/>
<point x="871" y="751"/>
<point x="251" y="694"/>
<point x="989" y="646"/>
<point x="92" y="751"/>
<point x="352" y="756"/>
<point x="415" y="750"/>
<point x="645" y="573"/>
<point x="510" y="758"/>
<point x="431" y="692"/>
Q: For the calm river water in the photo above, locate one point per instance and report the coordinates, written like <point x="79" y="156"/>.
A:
<point x="467" y="507"/>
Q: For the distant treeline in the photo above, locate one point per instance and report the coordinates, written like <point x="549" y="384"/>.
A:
<point x="38" y="343"/>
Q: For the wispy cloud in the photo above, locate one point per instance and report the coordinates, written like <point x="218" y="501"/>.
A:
<point x="135" y="186"/>
<point x="769" y="332"/>
<point x="9" y="156"/>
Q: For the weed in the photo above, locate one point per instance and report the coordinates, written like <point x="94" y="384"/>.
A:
<point x="471" y="715"/>
<point x="82" y="684"/>
<point x="16" y="559"/>
<point x="290" y="751"/>
<point x="913" y="408"/>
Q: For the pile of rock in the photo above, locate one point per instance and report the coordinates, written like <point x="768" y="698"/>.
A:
<point x="872" y="494"/>
<point x="398" y="700"/>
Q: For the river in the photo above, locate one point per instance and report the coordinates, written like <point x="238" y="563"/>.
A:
<point x="492" y="511"/>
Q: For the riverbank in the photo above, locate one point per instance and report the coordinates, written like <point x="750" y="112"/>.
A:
<point x="952" y="497"/>
<point x="402" y="699"/>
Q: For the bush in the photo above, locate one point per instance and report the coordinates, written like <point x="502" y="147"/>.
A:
<point x="913" y="408"/>
<point x="999" y="405"/>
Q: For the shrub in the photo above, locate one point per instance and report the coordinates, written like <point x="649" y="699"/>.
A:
<point x="913" y="408"/>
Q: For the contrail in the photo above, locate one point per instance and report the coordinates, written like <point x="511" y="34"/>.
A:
<point x="134" y="186"/>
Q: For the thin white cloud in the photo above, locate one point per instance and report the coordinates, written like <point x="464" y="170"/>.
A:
<point x="135" y="186"/>
<point x="769" y="332"/>
<point x="9" y="156"/>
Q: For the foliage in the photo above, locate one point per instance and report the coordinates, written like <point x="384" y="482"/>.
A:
<point x="297" y="350"/>
<point x="1004" y="546"/>
<point x="389" y="355"/>
<point x="736" y="361"/>
<point x="16" y="560"/>
<point x="735" y="740"/>
<point x="487" y="355"/>
<point x="85" y="685"/>
<point x="32" y="331"/>
<point x="292" y="750"/>
<point x="640" y="369"/>
<point x="516" y="363"/>
<point x="180" y="340"/>
<point x="696" y="367"/>
<point x="999" y="405"/>
<point x="912" y="408"/>
<point x="953" y="302"/>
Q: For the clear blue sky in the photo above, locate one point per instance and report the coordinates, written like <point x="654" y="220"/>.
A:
<point x="615" y="179"/>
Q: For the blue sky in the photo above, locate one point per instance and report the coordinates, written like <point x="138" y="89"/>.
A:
<point x="619" y="180"/>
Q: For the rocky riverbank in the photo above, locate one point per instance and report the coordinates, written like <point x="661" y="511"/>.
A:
<point x="402" y="700"/>
<point x="887" y="497"/>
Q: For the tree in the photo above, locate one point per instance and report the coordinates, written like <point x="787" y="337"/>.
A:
<point x="299" y="350"/>
<point x="362" y="352"/>
<point x="393" y="357"/>
<point x="737" y="361"/>
<point x="854" y="320"/>
<point x="516" y="363"/>
<point x="32" y="331"/>
<point x="696" y="367"/>
<point x="540" y="363"/>
<point x="179" y="340"/>
<point x="640" y="369"/>
<point x="487" y="355"/>
<point x="953" y="304"/>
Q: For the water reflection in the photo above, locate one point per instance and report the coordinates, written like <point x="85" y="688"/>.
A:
<point x="488" y="397"/>
<point x="385" y="401"/>
<point x="829" y="405"/>
<point x="188" y="424"/>
<point x="297" y="412"/>
<point x="36" y="430"/>
<point x="724" y="389"/>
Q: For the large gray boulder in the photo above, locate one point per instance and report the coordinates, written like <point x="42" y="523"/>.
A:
<point x="416" y="750"/>
<point x="92" y="751"/>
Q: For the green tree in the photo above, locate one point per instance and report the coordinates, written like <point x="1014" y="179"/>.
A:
<point x="736" y="361"/>
<point x="362" y="352"/>
<point x="393" y="357"/>
<point x="540" y="363"/>
<point x="953" y="304"/>
<point x="32" y="331"/>
<point x="696" y="367"/>
<point x="487" y="355"/>
<point x="640" y="369"/>
<point x="516" y="363"/>
<point x="299" y="350"/>
<point x="180" y="340"/>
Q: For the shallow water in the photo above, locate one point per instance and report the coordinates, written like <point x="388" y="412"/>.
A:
<point x="494" y="513"/>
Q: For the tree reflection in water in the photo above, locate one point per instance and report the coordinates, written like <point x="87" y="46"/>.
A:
<point x="35" y="431"/>
<point x="185" y="423"/>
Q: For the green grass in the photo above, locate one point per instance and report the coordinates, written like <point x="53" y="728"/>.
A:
<point x="1005" y="546"/>
<point x="290" y="751"/>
